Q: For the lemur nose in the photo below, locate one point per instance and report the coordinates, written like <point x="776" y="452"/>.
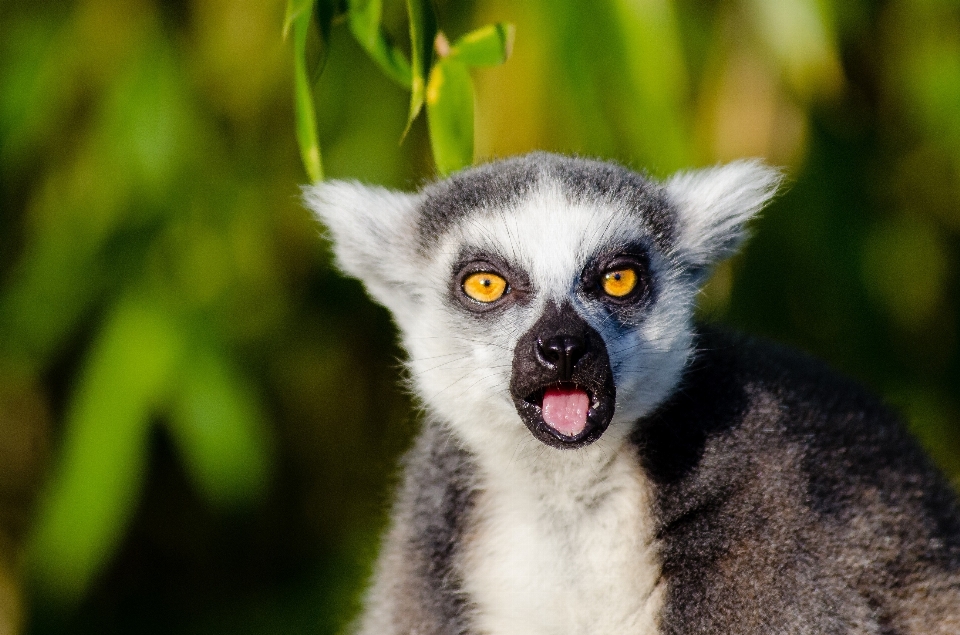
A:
<point x="561" y="352"/>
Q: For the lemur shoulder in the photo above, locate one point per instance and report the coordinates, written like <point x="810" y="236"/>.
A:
<point x="593" y="462"/>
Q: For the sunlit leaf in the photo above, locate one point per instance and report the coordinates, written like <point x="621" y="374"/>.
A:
<point x="303" y="100"/>
<point x="220" y="429"/>
<point x="486" y="46"/>
<point x="423" y="30"/>
<point x="366" y="28"/>
<point x="450" y="115"/>
<point x="98" y="478"/>
<point x="365" y="18"/>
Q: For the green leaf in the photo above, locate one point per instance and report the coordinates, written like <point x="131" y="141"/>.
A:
<point x="487" y="46"/>
<point x="365" y="18"/>
<point x="295" y="9"/>
<point x="318" y="46"/>
<point x="423" y="29"/>
<point x="219" y="426"/>
<point x="305" y="111"/>
<point x="367" y="30"/>
<point x="97" y="480"/>
<point x="450" y="115"/>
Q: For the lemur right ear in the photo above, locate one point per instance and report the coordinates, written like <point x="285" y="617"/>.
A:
<point x="713" y="206"/>
<point x="373" y="234"/>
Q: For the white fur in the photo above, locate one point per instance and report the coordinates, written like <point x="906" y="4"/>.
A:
<point x="561" y="541"/>
<point x="574" y="557"/>
<point x="373" y="234"/>
<point x="715" y="205"/>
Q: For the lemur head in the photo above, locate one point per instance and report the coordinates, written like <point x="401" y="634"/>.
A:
<point x="543" y="295"/>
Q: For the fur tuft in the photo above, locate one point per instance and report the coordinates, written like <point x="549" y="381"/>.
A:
<point x="714" y="206"/>
<point x="373" y="234"/>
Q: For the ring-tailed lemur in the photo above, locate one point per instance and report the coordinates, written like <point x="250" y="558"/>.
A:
<point x="593" y="462"/>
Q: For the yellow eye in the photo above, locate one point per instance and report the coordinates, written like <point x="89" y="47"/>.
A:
<point x="619" y="282"/>
<point x="485" y="287"/>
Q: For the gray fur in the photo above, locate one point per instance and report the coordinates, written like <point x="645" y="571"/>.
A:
<point x="789" y="501"/>
<point x="418" y="583"/>
<point x="500" y="185"/>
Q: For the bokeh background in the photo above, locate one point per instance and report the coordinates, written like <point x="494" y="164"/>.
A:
<point x="200" y="420"/>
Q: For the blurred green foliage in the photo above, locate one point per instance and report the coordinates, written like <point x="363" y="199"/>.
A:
<point x="222" y="407"/>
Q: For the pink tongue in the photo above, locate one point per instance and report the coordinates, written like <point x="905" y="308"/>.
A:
<point x="565" y="410"/>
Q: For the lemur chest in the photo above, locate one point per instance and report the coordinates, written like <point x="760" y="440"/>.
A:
<point x="571" y="561"/>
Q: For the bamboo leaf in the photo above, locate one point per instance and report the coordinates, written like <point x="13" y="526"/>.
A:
<point x="450" y="115"/>
<point x="391" y="60"/>
<point x="317" y="44"/>
<point x="486" y="46"/>
<point x="303" y="100"/>
<point x="365" y="18"/>
<point x="220" y="428"/>
<point x="98" y="478"/>
<point x="423" y="30"/>
<point x="295" y="9"/>
<point x="366" y="28"/>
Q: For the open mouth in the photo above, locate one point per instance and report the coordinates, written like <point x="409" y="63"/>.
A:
<point x="562" y="383"/>
<point x="567" y="410"/>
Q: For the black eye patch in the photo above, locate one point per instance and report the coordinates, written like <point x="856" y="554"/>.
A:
<point x="620" y="278"/>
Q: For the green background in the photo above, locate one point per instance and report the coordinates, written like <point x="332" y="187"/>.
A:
<point x="200" y="420"/>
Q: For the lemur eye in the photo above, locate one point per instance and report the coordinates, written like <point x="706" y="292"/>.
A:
<point x="618" y="283"/>
<point x="484" y="287"/>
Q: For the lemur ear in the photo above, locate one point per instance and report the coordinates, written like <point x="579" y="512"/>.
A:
<point x="373" y="234"/>
<point x="714" y="205"/>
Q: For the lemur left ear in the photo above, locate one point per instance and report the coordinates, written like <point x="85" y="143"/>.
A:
<point x="714" y="205"/>
<point x="373" y="234"/>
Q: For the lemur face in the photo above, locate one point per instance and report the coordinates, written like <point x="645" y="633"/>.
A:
<point x="556" y="302"/>
<point x="543" y="295"/>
